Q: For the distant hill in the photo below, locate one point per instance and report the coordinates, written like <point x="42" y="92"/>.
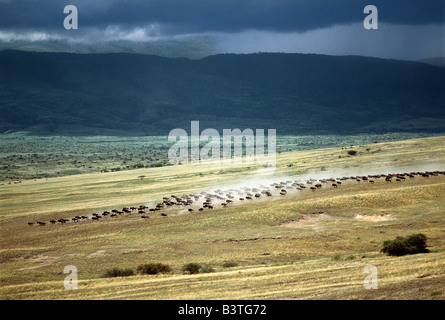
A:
<point x="193" y="47"/>
<point x="438" y="61"/>
<point x="134" y="94"/>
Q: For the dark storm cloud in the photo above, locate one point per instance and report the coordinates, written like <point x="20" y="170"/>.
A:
<point x="196" y="16"/>
<point x="408" y="29"/>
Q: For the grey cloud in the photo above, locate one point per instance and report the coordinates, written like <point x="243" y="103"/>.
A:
<point x="391" y="41"/>
<point x="409" y="29"/>
<point x="195" y="16"/>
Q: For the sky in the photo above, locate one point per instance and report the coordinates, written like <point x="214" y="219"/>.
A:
<point x="407" y="29"/>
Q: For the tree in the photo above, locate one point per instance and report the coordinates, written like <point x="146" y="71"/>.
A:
<point x="415" y="243"/>
<point x="191" y="268"/>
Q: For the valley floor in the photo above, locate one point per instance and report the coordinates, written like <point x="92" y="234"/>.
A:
<point x="302" y="244"/>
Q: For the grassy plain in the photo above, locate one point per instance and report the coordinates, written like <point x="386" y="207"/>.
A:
<point x="24" y="157"/>
<point x="282" y="250"/>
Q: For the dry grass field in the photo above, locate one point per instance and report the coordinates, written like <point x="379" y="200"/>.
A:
<point x="306" y="244"/>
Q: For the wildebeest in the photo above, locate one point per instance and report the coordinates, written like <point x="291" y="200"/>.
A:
<point x="224" y="195"/>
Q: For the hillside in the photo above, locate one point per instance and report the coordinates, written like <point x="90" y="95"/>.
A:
<point x="190" y="47"/>
<point x="438" y="61"/>
<point x="132" y="94"/>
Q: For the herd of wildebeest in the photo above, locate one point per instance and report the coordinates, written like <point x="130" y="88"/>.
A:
<point x="209" y="200"/>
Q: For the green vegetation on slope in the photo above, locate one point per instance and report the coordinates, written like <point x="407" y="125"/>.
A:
<point x="110" y="94"/>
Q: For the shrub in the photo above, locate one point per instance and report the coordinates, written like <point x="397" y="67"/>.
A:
<point x="191" y="268"/>
<point x="207" y="269"/>
<point x="116" y="272"/>
<point x="153" y="268"/>
<point x="415" y="243"/>
<point x="336" y="257"/>
<point x="229" y="264"/>
<point x="352" y="152"/>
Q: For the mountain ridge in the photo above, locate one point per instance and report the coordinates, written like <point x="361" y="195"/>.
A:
<point x="135" y="94"/>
